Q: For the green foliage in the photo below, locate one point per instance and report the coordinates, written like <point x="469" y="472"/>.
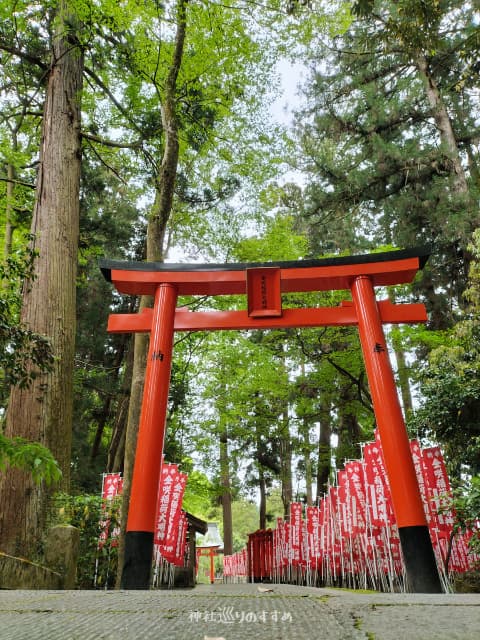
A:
<point x="278" y="241"/>
<point x="451" y="403"/>
<point x="29" y="456"/>
<point x="275" y="507"/>
<point x="466" y="503"/>
<point x="220" y="98"/>
<point x="245" y="519"/>
<point x="23" y="353"/>
<point x="450" y="383"/>
<point x="97" y="564"/>
<point x="198" y="496"/>
<point x="108" y="226"/>
<point x="414" y="23"/>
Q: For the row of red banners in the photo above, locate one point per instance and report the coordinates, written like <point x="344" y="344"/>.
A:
<point x="236" y="565"/>
<point x="170" y="535"/>
<point x="352" y="532"/>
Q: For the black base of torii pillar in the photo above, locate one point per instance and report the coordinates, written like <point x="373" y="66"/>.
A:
<point x="137" y="561"/>
<point x="264" y="283"/>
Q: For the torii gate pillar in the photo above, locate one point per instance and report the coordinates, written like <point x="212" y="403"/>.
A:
<point x="418" y="555"/>
<point x="150" y="440"/>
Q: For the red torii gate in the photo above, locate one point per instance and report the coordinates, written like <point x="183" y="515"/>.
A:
<point x="264" y="284"/>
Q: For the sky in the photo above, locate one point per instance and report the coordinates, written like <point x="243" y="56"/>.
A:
<point x="290" y="76"/>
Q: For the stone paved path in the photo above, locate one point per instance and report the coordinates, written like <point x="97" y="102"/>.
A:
<point x="236" y="612"/>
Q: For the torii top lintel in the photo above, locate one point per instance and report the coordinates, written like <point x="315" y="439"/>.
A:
<point x="384" y="269"/>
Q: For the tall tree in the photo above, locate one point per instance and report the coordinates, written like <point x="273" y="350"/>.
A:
<point x="44" y="411"/>
<point x="386" y="142"/>
<point x="164" y="182"/>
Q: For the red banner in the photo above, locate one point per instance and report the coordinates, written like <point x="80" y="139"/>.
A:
<point x="356" y="485"/>
<point x="170" y="522"/>
<point x="283" y="542"/>
<point x="178" y="489"/>
<point x="112" y="486"/>
<point x="235" y="565"/>
<point x="168" y="548"/>
<point x="421" y="478"/>
<point x="296" y="530"/>
<point x="438" y="489"/>
<point x="378" y="492"/>
<point x="179" y="557"/>
<point x="344" y="509"/>
<point x="313" y="535"/>
<point x="164" y="500"/>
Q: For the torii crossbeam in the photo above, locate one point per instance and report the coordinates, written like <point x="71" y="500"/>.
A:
<point x="263" y="285"/>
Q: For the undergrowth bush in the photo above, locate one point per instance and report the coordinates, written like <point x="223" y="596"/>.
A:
<point x="97" y="520"/>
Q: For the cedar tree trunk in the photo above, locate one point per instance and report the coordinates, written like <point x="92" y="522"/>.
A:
<point x="226" y="495"/>
<point x="44" y="411"/>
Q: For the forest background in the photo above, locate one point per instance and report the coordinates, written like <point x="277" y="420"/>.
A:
<point x="141" y="131"/>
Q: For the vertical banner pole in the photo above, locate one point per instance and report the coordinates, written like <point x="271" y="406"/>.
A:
<point x="420" y="564"/>
<point x="150" y="441"/>
<point x="212" y="566"/>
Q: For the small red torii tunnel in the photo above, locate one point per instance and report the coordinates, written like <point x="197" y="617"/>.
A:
<point x="264" y="284"/>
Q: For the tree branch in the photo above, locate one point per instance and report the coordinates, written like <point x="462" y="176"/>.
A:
<point x="98" y="81"/>
<point x="18" y="182"/>
<point x="356" y="381"/>
<point x="105" y="164"/>
<point x="112" y="143"/>
<point x="24" y="55"/>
